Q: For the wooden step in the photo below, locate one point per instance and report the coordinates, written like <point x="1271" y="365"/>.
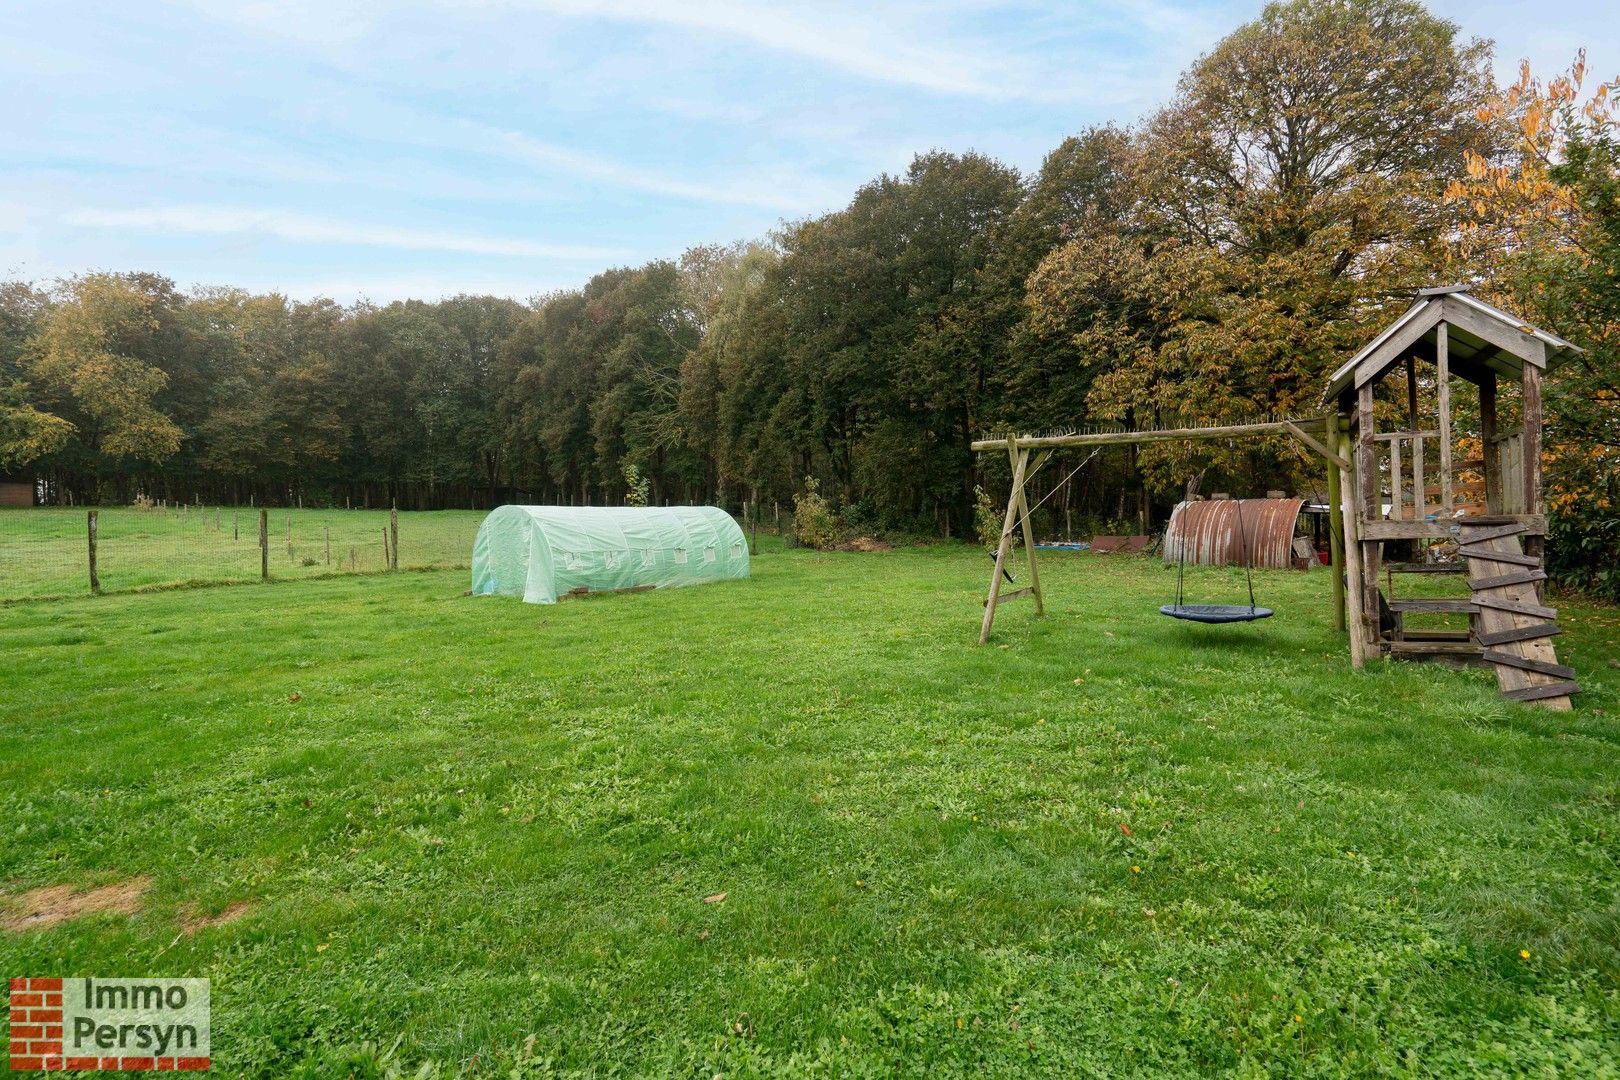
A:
<point x="1433" y="648"/>
<point x="1486" y="554"/>
<point x="1433" y="607"/>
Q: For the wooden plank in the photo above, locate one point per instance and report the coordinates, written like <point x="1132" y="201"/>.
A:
<point x="1520" y="633"/>
<point x="1489" y="555"/>
<point x="1523" y="577"/>
<point x="1303" y="436"/>
<point x="1433" y="648"/>
<point x="1404" y="436"/>
<point x="1543" y="692"/>
<point x="1002" y="598"/>
<point x="1501" y="656"/>
<point x="1119" y="438"/>
<point x="1397" y="483"/>
<point x="1446" y="606"/>
<point x="1527" y="347"/>
<point x="1480" y="534"/>
<point x="1395" y="347"/>
<point x="1420" y="505"/>
<point x="1442" y="347"/>
<point x="1540" y="611"/>
<point x="1425" y="568"/>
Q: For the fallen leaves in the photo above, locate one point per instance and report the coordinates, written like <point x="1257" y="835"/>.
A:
<point x="717" y="898"/>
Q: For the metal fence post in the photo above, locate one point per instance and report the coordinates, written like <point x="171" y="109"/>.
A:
<point x="393" y="528"/>
<point x="264" y="544"/>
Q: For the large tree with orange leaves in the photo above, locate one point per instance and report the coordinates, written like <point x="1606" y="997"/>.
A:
<point x="1541" y="227"/>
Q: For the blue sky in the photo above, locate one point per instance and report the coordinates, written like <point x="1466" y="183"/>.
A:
<point x="354" y="148"/>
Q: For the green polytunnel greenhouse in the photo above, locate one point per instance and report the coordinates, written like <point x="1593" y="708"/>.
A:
<point x="543" y="552"/>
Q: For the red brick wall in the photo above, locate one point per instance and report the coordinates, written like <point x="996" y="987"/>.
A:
<point x="36" y="1024"/>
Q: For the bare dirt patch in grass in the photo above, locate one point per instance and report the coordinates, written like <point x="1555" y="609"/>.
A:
<point x="193" y="920"/>
<point x="43" y="908"/>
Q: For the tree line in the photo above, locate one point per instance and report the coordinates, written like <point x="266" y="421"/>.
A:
<point x="1210" y="264"/>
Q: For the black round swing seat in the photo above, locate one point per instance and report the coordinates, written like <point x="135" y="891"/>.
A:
<point x="1215" y="613"/>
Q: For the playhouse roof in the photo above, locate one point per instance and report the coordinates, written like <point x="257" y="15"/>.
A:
<point x="1482" y="337"/>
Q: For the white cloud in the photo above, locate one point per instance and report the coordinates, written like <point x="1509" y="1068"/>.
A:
<point x="785" y="191"/>
<point x="306" y="229"/>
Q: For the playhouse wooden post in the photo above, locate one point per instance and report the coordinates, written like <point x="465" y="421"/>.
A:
<point x="1020" y="457"/>
<point x="1350" y="523"/>
<point x="1442" y="362"/>
<point x="1369" y="551"/>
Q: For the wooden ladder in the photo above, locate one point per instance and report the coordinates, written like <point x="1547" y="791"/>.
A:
<point x="1512" y="625"/>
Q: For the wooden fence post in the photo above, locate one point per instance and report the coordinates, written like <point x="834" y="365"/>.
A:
<point x="393" y="528"/>
<point x="91" y="528"/>
<point x="329" y="546"/>
<point x="236" y="526"/>
<point x="387" y="561"/>
<point x="264" y="544"/>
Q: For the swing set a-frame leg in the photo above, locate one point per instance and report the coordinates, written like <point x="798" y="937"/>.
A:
<point x="1016" y="504"/>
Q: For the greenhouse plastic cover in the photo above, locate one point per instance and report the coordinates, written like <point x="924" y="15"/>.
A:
<point x="543" y="552"/>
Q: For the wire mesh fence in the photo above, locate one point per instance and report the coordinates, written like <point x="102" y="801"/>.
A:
<point x="47" y="552"/>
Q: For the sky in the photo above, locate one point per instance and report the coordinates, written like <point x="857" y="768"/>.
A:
<point x="377" y="149"/>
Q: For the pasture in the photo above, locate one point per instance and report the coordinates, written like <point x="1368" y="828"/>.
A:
<point x="43" y="551"/>
<point x="802" y="825"/>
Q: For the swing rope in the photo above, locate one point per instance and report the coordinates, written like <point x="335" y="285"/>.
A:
<point x="1019" y="524"/>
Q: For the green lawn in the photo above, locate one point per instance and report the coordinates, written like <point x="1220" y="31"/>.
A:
<point x="1109" y="843"/>
<point x="44" y="551"/>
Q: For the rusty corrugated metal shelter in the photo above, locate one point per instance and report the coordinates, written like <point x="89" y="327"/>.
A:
<point x="1209" y="532"/>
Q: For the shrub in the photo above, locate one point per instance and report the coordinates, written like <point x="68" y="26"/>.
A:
<point x="814" y="522"/>
<point x="637" y="487"/>
<point x="986" y="519"/>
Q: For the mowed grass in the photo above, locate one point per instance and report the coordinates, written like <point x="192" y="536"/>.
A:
<point x="45" y="551"/>
<point x="480" y="834"/>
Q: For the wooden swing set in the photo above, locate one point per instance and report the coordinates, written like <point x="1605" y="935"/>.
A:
<point x="1377" y="496"/>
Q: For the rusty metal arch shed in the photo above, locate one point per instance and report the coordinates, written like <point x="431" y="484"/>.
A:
<point x="1208" y="531"/>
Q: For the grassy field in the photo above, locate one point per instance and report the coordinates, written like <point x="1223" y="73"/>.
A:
<point x="399" y="827"/>
<point x="43" y="551"/>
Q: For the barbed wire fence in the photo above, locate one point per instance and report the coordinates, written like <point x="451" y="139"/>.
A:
<point x="58" y="552"/>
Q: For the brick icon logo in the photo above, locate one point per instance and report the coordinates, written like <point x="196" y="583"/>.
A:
<point x="109" y="1024"/>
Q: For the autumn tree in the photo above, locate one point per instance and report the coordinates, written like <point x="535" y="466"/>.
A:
<point x="97" y="360"/>
<point x="1541" y="232"/>
<point x="1289" y="192"/>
